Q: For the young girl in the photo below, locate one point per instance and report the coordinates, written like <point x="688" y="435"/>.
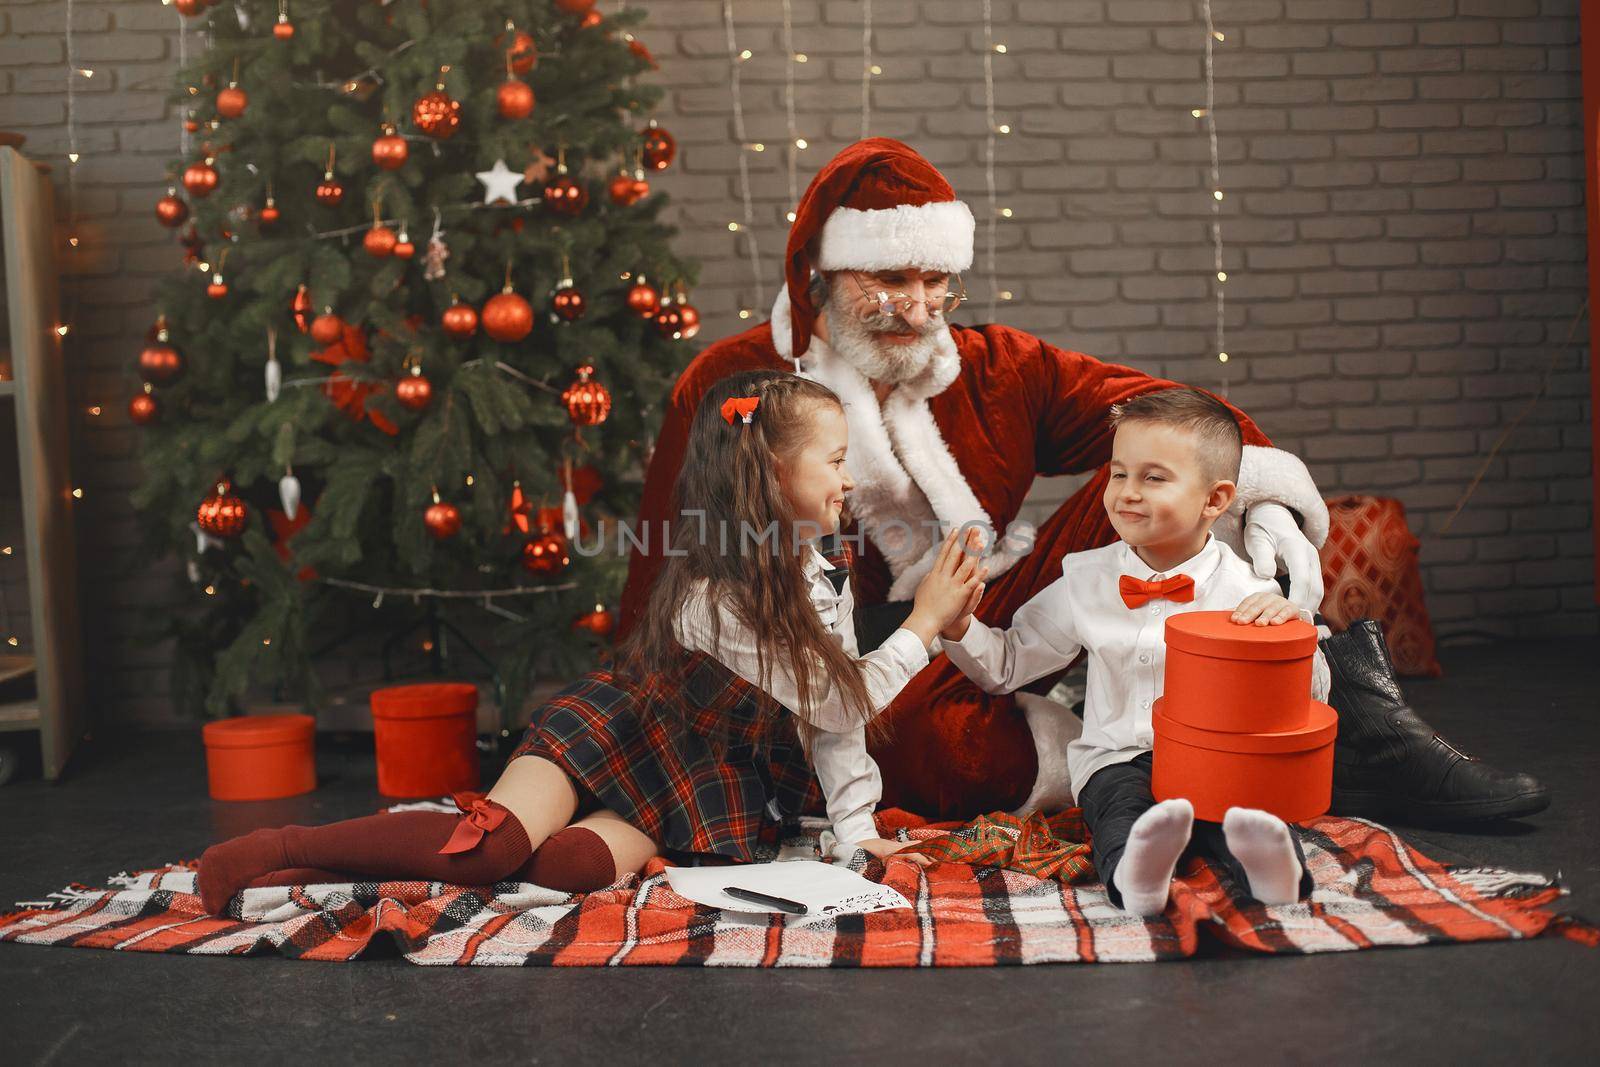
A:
<point x="743" y="666"/>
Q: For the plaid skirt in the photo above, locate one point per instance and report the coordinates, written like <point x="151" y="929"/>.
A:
<point x="711" y="786"/>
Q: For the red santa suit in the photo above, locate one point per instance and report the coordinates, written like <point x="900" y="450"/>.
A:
<point x="959" y="443"/>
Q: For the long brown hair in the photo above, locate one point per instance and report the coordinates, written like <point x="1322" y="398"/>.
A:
<point x="730" y="474"/>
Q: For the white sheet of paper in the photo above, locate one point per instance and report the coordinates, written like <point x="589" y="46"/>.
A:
<point x="824" y="888"/>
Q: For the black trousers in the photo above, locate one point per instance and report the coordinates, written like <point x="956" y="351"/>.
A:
<point x="1117" y="795"/>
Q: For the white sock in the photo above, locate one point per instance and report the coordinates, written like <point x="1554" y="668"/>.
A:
<point x="1260" y="842"/>
<point x="1155" y="841"/>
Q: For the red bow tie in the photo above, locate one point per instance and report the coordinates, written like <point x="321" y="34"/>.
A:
<point x="1136" y="592"/>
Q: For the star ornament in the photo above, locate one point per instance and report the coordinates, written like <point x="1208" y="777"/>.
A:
<point x="500" y="183"/>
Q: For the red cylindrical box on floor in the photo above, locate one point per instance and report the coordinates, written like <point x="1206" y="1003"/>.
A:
<point x="261" y="757"/>
<point x="1238" y="678"/>
<point x="1289" y="773"/>
<point x="427" y="738"/>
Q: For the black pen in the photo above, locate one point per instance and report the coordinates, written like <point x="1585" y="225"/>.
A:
<point x="793" y="907"/>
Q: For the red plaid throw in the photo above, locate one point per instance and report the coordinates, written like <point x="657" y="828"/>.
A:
<point x="1371" y="890"/>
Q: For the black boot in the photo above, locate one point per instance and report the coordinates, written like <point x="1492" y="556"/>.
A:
<point x="1388" y="763"/>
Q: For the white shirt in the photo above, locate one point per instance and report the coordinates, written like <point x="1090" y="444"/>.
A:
<point x="1083" y="611"/>
<point x="851" y="783"/>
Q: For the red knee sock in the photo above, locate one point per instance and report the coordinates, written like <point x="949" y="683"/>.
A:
<point x="304" y="876"/>
<point x="574" y="860"/>
<point x="485" y="844"/>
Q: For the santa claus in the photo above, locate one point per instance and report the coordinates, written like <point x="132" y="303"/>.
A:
<point x="949" y="425"/>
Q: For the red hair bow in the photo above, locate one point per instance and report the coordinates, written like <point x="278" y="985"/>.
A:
<point x="743" y="406"/>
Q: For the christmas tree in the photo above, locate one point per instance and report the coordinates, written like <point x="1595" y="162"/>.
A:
<point x="426" y="310"/>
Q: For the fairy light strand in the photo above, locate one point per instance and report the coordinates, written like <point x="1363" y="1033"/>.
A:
<point x="1221" y="277"/>
<point x="989" y="259"/>
<point x="185" y="145"/>
<point x="735" y="59"/>
<point x="793" y="152"/>
<point x="866" y="66"/>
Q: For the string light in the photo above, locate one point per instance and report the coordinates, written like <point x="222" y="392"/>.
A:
<point x="1208" y="113"/>
<point x="800" y="142"/>
<point x="735" y="56"/>
<point x="866" y="67"/>
<point x="77" y="494"/>
<point x="989" y="256"/>
<point x="788" y="105"/>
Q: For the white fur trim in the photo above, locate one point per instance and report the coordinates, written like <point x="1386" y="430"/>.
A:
<point x="1275" y="475"/>
<point x="934" y="236"/>
<point x="1054" y="727"/>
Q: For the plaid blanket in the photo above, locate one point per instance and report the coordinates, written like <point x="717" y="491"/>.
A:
<point x="1371" y="890"/>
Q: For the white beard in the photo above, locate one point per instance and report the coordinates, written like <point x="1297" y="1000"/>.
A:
<point x="885" y="361"/>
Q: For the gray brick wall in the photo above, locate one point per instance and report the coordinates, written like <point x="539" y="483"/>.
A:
<point x="1404" y="233"/>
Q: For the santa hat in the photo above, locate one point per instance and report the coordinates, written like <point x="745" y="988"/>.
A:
<point x="877" y="205"/>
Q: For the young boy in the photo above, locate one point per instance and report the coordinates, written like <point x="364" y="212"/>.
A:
<point x="1174" y="462"/>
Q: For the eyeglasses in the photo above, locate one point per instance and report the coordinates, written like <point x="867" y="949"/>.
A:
<point x="883" y="304"/>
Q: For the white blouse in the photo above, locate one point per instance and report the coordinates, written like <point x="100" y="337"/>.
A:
<point x="851" y="783"/>
<point x="1082" y="610"/>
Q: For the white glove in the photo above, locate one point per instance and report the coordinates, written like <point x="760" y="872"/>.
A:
<point x="1271" y="537"/>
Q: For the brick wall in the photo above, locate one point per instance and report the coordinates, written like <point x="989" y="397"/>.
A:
<point x="1404" y="229"/>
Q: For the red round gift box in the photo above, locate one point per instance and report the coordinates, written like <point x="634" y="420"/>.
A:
<point x="426" y="736"/>
<point x="1289" y="773"/>
<point x="260" y="757"/>
<point x="1223" y="675"/>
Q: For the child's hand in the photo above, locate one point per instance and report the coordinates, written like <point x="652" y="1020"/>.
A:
<point x="949" y="592"/>
<point x="1265" y="609"/>
<point x="884" y="849"/>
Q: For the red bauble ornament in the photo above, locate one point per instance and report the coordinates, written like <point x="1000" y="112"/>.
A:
<point x="459" y="320"/>
<point x="599" y="622"/>
<point x="689" y="319"/>
<point x="565" y="196"/>
<point x="588" y="402"/>
<point x="669" y="323"/>
<point x="677" y="321"/>
<point x="284" y="28"/>
<point x="507" y="317"/>
<point x="218" y="288"/>
<point x="627" y="191"/>
<point x="660" y="147"/>
<point x="170" y="211"/>
<point x="523" y="52"/>
<point x="413" y="390"/>
<point x="643" y="300"/>
<point x="222" y="514"/>
<point x="232" y="101"/>
<point x="300" y="308"/>
<point x="329" y="190"/>
<point x="160" y="362"/>
<point x="270" y="213"/>
<point x="390" y="151"/>
<point x="437" y="114"/>
<point x="514" y="99"/>
<point x="327" y="328"/>
<point x="591" y="20"/>
<point x="190" y="8"/>
<point x="575" y="7"/>
<point x="379" y="241"/>
<point x="403" y="248"/>
<point x="442" y="520"/>
<point x="546" y="553"/>
<point x="191" y="123"/>
<point x="568" y="302"/>
<point x="200" y="178"/>
<point x="143" y="409"/>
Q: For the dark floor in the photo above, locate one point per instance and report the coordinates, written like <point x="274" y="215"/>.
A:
<point x="141" y="801"/>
